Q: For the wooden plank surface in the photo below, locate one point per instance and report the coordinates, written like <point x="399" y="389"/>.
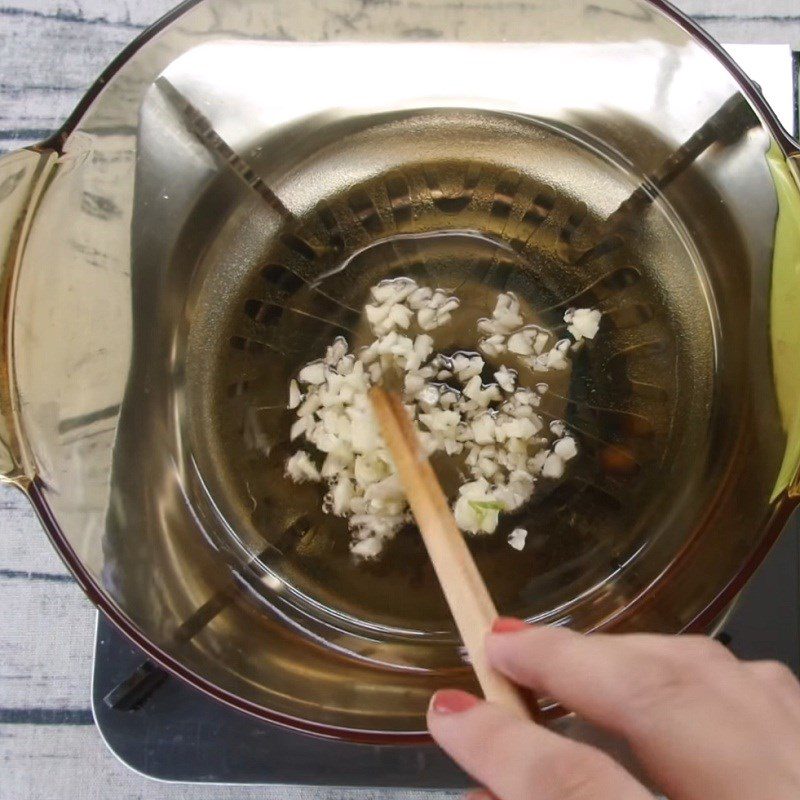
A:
<point x="50" y="53"/>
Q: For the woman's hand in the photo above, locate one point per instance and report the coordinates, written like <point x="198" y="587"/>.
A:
<point x="703" y="725"/>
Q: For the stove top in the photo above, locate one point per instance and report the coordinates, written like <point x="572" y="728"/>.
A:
<point x="165" y="729"/>
<point x="180" y="734"/>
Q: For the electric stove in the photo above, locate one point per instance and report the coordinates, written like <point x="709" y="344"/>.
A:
<point x="165" y="729"/>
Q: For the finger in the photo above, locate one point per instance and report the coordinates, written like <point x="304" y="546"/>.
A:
<point x="778" y="678"/>
<point x="680" y="704"/>
<point x="517" y="760"/>
<point x="479" y="794"/>
<point x="779" y="682"/>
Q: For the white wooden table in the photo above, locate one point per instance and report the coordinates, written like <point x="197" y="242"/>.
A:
<point x="50" y="52"/>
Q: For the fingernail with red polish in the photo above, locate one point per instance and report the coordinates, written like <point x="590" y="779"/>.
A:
<point x="508" y="625"/>
<point x="452" y="701"/>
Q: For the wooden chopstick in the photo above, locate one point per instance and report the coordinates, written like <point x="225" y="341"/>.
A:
<point x="466" y="593"/>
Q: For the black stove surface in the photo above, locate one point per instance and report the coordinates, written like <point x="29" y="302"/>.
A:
<point x="177" y="733"/>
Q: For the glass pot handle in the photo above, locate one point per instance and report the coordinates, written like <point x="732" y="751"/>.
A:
<point x="785" y="322"/>
<point x="794" y="168"/>
<point x="23" y="177"/>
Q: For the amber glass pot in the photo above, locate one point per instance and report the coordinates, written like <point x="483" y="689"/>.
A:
<point x="158" y="254"/>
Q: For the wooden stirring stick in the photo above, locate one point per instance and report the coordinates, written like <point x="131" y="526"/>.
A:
<point x="464" y="589"/>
